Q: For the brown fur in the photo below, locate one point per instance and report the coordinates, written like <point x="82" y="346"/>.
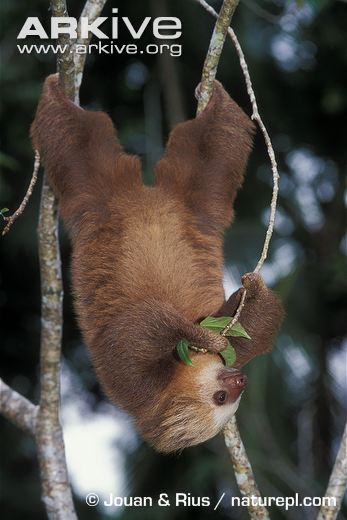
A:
<point x="147" y="261"/>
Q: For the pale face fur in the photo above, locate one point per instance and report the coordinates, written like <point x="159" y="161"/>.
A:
<point x="208" y="384"/>
<point x="190" y="416"/>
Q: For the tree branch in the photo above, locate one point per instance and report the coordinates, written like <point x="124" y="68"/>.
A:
<point x="17" y="409"/>
<point x="65" y="61"/>
<point x="56" y="491"/>
<point x="337" y="483"/>
<point x="214" y="52"/>
<point x="243" y="470"/>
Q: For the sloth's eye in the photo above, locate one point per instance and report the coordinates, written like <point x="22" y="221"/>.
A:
<point x="220" y="397"/>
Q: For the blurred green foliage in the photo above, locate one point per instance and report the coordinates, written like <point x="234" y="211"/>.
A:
<point x="293" y="412"/>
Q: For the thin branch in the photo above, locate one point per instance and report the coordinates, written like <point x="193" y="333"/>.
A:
<point x="92" y="10"/>
<point x="242" y="469"/>
<point x="275" y="175"/>
<point x="214" y="52"/>
<point x="337" y="483"/>
<point x="11" y="219"/>
<point x="17" y="409"/>
<point x="236" y="316"/>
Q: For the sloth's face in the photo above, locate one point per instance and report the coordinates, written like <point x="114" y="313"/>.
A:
<point x="195" y="406"/>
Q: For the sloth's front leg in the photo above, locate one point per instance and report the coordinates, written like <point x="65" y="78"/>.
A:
<point x="261" y="317"/>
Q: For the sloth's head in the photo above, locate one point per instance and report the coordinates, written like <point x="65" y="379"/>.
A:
<point x="174" y="405"/>
<point x="195" y="406"/>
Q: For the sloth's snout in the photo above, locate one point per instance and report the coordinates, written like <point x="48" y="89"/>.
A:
<point x="234" y="382"/>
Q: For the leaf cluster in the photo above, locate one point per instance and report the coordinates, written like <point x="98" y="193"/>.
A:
<point x="217" y="325"/>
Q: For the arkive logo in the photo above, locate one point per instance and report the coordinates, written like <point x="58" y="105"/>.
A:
<point x="68" y="25"/>
<point x="162" y="27"/>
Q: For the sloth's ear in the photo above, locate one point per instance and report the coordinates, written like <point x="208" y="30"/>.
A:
<point x="206" y="157"/>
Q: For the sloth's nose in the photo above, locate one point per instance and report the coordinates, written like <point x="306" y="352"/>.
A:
<point x="233" y="380"/>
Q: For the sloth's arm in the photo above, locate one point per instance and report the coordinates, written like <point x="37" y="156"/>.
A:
<point x="261" y="317"/>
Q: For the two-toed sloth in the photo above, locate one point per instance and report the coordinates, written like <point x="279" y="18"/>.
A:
<point x="147" y="262"/>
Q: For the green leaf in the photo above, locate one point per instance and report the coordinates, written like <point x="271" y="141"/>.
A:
<point x="4" y="210"/>
<point x="229" y="356"/>
<point x="216" y="324"/>
<point x="182" y="351"/>
<point x="238" y="331"/>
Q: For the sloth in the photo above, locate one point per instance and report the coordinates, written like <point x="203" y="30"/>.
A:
<point x="147" y="262"/>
